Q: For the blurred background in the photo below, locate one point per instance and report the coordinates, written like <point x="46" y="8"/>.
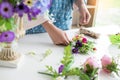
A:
<point x="108" y="12"/>
<point x="104" y="12"/>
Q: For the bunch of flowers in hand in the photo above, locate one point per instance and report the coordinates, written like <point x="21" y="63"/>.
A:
<point x="89" y="71"/>
<point x="11" y="8"/>
<point x="109" y="64"/>
<point x="82" y="45"/>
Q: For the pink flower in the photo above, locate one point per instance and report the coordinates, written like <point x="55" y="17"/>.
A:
<point x="84" y="40"/>
<point x="105" y="61"/>
<point x="93" y="62"/>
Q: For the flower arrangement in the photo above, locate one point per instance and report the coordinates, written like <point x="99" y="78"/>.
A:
<point x="9" y="10"/>
<point x="82" y="45"/>
<point x="89" y="71"/>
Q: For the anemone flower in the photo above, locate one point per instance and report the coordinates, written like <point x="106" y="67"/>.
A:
<point x="78" y="44"/>
<point x="33" y="13"/>
<point x="21" y="9"/>
<point x="75" y="50"/>
<point x="7" y="36"/>
<point x="6" y="10"/>
<point x="84" y="40"/>
<point x="28" y="2"/>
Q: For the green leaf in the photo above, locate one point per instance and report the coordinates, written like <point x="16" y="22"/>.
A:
<point x="94" y="72"/>
<point x="2" y="22"/>
<point x="68" y="59"/>
<point x="52" y="71"/>
<point x="115" y="39"/>
<point x="73" y="71"/>
<point x="113" y="67"/>
<point x="8" y="25"/>
<point x="48" y="52"/>
<point x="48" y="74"/>
<point x="83" y="76"/>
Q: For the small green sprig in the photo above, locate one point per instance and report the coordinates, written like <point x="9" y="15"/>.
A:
<point x="86" y="48"/>
<point x="68" y="59"/>
<point x="78" y="72"/>
<point x="50" y="72"/>
<point x="91" y="72"/>
<point x="113" y="67"/>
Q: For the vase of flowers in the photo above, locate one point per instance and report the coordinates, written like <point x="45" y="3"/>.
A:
<point x="11" y="22"/>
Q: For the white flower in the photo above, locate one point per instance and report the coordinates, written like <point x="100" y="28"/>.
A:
<point x="60" y="78"/>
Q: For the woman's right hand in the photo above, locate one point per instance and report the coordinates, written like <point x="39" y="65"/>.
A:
<point x="58" y="36"/>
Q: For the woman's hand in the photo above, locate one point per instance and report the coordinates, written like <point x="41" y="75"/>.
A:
<point x="84" y="15"/>
<point x="58" y="36"/>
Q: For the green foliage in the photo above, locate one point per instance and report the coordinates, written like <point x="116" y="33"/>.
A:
<point x="113" y="67"/>
<point x="115" y="39"/>
<point x="7" y="24"/>
<point x="67" y="60"/>
<point x="50" y="72"/>
<point x="84" y="76"/>
<point x="86" y="48"/>
<point x="14" y="2"/>
<point x="91" y="72"/>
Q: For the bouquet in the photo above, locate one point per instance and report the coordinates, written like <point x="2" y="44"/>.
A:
<point x="82" y="45"/>
<point x="9" y="9"/>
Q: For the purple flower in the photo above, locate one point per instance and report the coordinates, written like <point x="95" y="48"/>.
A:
<point x="75" y="50"/>
<point x="6" y="10"/>
<point x="7" y="36"/>
<point x="78" y="44"/>
<point x="43" y="5"/>
<point x="60" y="68"/>
<point x="21" y="9"/>
<point x="33" y="13"/>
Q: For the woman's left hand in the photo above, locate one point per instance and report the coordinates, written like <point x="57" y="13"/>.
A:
<point x="84" y="14"/>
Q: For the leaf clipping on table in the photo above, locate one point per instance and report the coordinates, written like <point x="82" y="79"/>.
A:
<point x="115" y="39"/>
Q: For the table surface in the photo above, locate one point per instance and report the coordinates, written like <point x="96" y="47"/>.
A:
<point x="30" y="65"/>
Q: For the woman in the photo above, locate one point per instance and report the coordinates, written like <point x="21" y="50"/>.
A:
<point x="61" y="11"/>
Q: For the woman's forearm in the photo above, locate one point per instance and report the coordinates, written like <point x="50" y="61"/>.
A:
<point x="49" y="26"/>
<point x="79" y="3"/>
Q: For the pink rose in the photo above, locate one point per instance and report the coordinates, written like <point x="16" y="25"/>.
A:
<point x="106" y="60"/>
<point x="92" y="61"/>
<point x="84" y="40"/>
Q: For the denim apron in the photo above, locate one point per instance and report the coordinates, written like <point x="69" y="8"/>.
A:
<point x="61" y="12"/>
